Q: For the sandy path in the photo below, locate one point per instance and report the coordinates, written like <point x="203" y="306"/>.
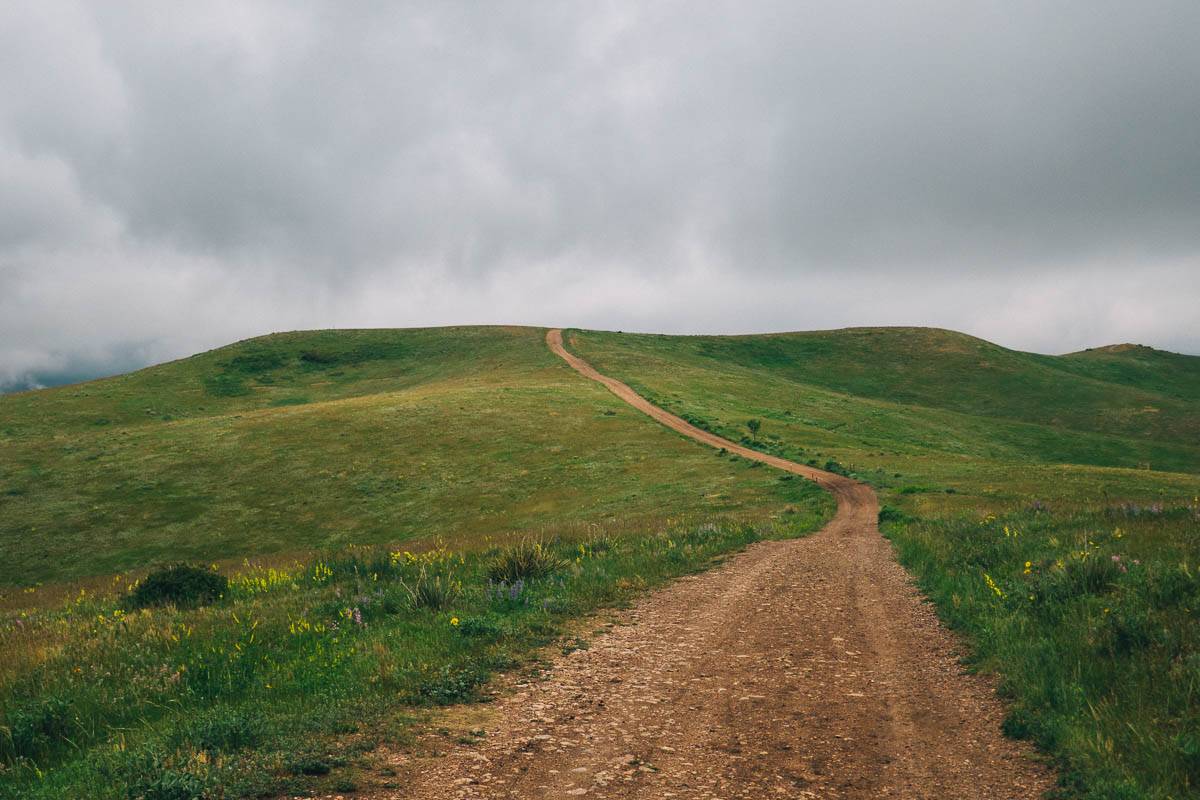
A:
<point x="806" y="668"/>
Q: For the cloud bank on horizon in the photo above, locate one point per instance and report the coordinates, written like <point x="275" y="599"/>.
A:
<point x="177" y="176"/>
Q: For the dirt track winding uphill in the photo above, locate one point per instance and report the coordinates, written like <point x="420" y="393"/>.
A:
<point x="805" y="668"/>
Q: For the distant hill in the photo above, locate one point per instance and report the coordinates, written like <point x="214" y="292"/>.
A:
<point x="927" y="390"/>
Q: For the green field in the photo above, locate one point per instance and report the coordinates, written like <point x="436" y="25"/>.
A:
<point x="294" y="442"/>
<point x="307" y="466"/>
<point x="1050" y="506"/>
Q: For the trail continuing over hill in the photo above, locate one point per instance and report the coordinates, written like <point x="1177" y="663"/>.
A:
<point x="803" y="668"/>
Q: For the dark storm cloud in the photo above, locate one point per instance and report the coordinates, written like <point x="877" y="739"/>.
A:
<point x="174" y="178"/>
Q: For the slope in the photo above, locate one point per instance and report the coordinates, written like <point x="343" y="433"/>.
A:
<point x="1047" y="506"/>
<point x="321" y="439"/>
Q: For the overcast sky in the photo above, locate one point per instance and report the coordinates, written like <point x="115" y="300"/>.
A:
<point x="175" y="176"/>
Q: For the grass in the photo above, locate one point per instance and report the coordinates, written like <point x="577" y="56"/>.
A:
<point x="1047" y="505"/>
<point x="399" y="514"/>
<point x="405" y="435"/>
<point x="291" y="680"/>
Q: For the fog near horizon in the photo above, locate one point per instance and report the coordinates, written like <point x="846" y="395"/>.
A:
<point x="175" y="179"/>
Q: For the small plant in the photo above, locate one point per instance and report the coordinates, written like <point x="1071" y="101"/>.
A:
<point x="432" y="593"/>
<point x="753" y="425"/>
<point x="523" y="561"/>
<point x="506" y="594"/>
<point x="181" y="585"/>
<point x="893" y="514"/>
<point x="449" y="685"/>
<point x="479" y="628"/>
<point x="222" y="731"/>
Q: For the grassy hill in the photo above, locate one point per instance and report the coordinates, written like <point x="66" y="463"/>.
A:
<point x="1145" y="400"/>
<point x="398" y="513"/>
<point x="1050" y="506"/>
<point x="291" y="442"/>
<point x="1047" y="504"/>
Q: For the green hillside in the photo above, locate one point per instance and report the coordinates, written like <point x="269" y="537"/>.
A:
<point x="364" y="492"/>
<point x="321" y="439"/>
<point x="918" y="391"/>
<point x="1143" y="393"/>
<point x="1049" y="506"/>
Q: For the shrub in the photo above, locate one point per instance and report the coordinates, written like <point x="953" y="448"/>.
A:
<point x="182" y="585"/>
<point x="255" y="361"/>
<point x="523" y="561"/>
<point x="226" y="385"/>
<point x="836" y="467"/>
<point x="893" y="514"/>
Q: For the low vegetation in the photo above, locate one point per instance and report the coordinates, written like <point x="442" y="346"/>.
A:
<point x="403" y="435"/>
<point x="293" y="678"/>
<point x="1047" y="505"/>
<point x="180" y="585"/>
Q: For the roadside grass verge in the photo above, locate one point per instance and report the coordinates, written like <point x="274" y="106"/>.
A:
<point x="290" y="679"/>
<point x="1091" y="619"/>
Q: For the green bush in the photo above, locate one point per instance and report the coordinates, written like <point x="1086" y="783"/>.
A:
<point x="893" y="514"/>
<point x="523" y="561"/>
<point x="181" y="585"/>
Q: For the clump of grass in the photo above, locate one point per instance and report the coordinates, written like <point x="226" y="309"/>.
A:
<point x="526" y="560"/>
<point x="432" y="591"/>
<point x="181" y="585"/>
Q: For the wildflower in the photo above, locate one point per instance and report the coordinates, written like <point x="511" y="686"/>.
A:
<point x="454" y="621"/>
<point x="1028" y="567"/>
<point x="992" y="585"/>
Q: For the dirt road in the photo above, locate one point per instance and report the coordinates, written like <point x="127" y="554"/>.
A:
<point x="806" y="668"/>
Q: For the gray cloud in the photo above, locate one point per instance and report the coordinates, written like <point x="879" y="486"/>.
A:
<point x="172" y="178"/>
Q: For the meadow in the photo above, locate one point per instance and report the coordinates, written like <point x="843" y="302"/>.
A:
<point x="299" y="442"/>
<point x="398" y="514"/>
<point x="1049" y="507"/>
<point x="402" y="514"/>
